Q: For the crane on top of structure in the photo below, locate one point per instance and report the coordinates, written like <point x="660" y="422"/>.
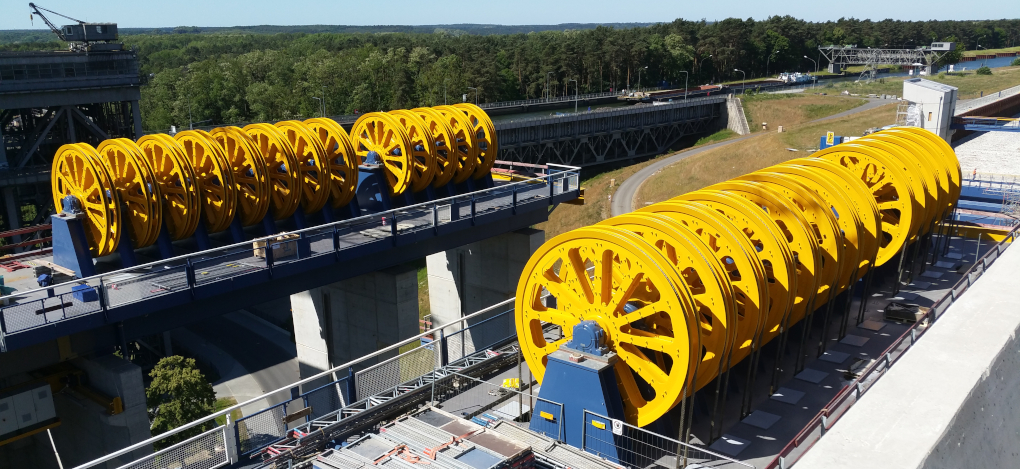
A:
<point x="926" y="57"/>
<point x="81" y="36"/>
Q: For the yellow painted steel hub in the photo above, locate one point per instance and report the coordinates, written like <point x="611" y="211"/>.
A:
<point x="250" y="173"/>
<point x="181" y="205"/>
<point x="380" y="133"/>
<point x="281" y="167"/>
<point x="343" y="163"/>
<point x="136" y="185"/>
<point x="77" y="171"/>
<point x="214" y="177"/>
<point x="423" y="148"/>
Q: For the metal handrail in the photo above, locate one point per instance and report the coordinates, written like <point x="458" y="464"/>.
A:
<point x="615" y="112"/>
<point x="329" y="372"/>
<point x="272" y="238"/>
<point x="823" y="420"/>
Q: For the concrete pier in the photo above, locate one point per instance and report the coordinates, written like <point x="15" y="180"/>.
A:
<point x="478" y="275"/>
<point x="345" y="320"/>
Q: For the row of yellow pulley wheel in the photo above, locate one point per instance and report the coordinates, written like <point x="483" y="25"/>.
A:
<point x="686" y="288"/>
<point x="212" y="177"/>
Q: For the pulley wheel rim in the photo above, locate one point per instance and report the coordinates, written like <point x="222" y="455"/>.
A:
<point x="214" y="177"/>
<point x="281" y="164"/>
<point x="313" y="164"/>
<point x="249" y="171"/>
<point x="77" y="171"/>
<point x="137" y="188"/>
<point x="446" y="161"/>
<point x="380" y="133"/>
<point x="561" y="264"/>
<point x="423" y="159"/>
<point x="176" y="178"/>
<point x="343" y="164"/>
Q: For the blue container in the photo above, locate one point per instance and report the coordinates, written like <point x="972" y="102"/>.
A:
<point x="85" y="293"/>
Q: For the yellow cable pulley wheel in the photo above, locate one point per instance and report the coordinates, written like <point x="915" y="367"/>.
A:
<point x="737" y="256"/>
<point x="821" y="224"/>
<point x="77" y="172"/>
<point x="423" y="151"/>
<point x="485" y="136"/>
<point x="890" y="190"/>
<point x="281" y="167"/>
<point x="181" y="202"/>
<point x="922" y="182"/>
<point x="615" y="278"/>
<point x="464" y="147"/>
<point x="947" y="189"/>
<point x="343" y="163"/>
<point x="705" y="278"/>
<point x="313" y="164"/>
<point x="379" y="135"/>
<point x="768" y="240"/>
<point x="950" y="163"/>
<point x="447" y="162"/>
<point x="249" y="170"/>
<point x="794" y="225"/>
<point x="844" y="212"/>
<point x="860" y="195"/>
<point x="136" y="185"/>
<point x="214" y="177"/>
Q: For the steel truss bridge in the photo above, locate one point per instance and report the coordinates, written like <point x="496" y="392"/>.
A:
<point x="597" y="137"/>
<point x="853" y="55"/>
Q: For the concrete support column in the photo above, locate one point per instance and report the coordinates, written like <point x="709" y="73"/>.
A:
<point x="345" y="320"/>
<point x="478" y="275"/>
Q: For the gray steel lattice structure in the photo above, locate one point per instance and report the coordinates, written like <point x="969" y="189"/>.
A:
<point x="853" y="55"/>
<point x="48" y="99"/>
<point x="600" y="137"/>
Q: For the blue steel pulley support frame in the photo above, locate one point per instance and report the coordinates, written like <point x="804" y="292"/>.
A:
<point x="581" y="379"/>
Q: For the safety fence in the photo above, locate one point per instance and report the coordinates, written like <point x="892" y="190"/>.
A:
<point x="557" y="99"/>
<point x="851" y="393"/>
<point x="975" y="103"/>
<point x="608" y="112"/>
<point x="186" y="277"/>
<point x="340" y="396"/>
<point x="634" y="447"/>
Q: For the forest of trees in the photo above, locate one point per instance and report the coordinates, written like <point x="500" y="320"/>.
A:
<point x="239" y="77"/>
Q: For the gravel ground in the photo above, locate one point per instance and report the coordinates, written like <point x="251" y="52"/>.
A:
<point x="990" y="152"/>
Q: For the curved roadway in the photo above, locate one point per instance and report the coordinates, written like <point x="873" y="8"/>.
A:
<point x="623" y="198"/>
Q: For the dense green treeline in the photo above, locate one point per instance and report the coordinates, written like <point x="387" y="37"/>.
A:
<point x="225" y="78"/>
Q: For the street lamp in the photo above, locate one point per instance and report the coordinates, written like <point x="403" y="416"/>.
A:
<point x="476" y="94"/>
<point x="639" y="76"/>
<point x="686" y="77"/>
<point x="767" y="62"/>
<point x="743" y="82"/>
<point x="575" y="94"/>
<point x="320" y="105"/>
<point x="813" y="79"/>
<point x="984" y="59"/>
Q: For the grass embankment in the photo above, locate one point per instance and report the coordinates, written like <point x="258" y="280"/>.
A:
<point x="972" y="53"/>
<point x="753" y="154"/>
<point x="970" y="84"/>
<point x="789" y="109"/>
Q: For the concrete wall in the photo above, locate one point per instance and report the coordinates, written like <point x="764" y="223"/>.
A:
<point x="478" y="275"/>
<point x="736" y="120"/>
<point x="951" y="400"/>
<point x="342" y="321"/>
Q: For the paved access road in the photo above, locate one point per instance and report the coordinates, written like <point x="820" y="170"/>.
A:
<point x="623" y="199"/>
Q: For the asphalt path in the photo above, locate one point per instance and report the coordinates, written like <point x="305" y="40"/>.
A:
<point x="623" y="198"/>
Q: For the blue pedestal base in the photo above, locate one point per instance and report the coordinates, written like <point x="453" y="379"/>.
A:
<point x="586" y="385"/>
<point x="70" y="244"/>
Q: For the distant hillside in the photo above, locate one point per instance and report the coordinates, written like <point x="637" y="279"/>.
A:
<point x="42" y="35"/>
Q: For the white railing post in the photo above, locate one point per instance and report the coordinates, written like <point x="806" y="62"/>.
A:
<point x="230" y="439"/>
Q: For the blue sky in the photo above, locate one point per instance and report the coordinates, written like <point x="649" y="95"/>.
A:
<point x="147" y="13"/>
